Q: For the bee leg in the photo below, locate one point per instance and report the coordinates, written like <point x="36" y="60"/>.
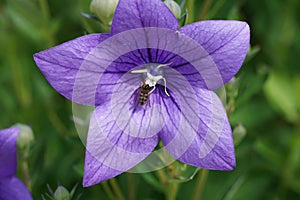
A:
<point x="152" y="90"/>
<point x="165" y="81"/>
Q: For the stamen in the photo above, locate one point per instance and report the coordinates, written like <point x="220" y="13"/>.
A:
<point x="139" y="71"/>
<point x="151" y="79"/>
<point x="163" y="65"/>
<point x="165" y="81"/>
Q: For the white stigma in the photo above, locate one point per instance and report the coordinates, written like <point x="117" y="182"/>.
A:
<point x="151" y="79"/>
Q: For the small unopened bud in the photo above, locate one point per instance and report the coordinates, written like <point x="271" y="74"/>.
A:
<point x="104" y="9"/>
<point x="25" y="139"/>
<point x="233" y="87"/>
<point x="174" y="7"/>
<point x="61" y="193"/>
<point x="239" y="132"/>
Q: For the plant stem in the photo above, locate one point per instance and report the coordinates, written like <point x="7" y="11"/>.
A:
<point x="173" y="186"/>
<point x="25" y="171"/>
<point x="214" y="10"/>
<point x="190" y="7"/>
<point x="46" y="14"/>
<point x="171" y="192"/>
<point x="108" y="190"/>
<point x="116" y="189"/>
<point x="57" y="123"/>
<point x="45" y="8"/>
<point x="204" y="9"/>
<point x="18" y="71"/>
<point x="131" y="193"/>
<point x="162" y="176"/>
<point x="200" y="184"/>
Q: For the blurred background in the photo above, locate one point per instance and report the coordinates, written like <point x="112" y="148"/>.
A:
<point x="263" y="104"/>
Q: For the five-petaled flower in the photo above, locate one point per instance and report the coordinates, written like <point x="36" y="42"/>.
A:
<point x="11" y="188"/>
<point x="181" y="66"/>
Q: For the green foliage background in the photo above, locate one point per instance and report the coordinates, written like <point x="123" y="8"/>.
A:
<point x="265" y="100"/>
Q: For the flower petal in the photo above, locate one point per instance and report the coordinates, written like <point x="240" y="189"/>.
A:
<point x="142" y="13"/>
<point x="8" y="151"/>
<point x="114" y="144"/>
<point x="61" y="64"/>
<point x="212" y="146"/>
<point x="13" y="189"/>
<point x="225" y="41"/>
<point x="93" y="73"/>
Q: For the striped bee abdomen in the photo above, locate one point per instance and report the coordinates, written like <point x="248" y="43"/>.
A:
<point x="144" y="94"/>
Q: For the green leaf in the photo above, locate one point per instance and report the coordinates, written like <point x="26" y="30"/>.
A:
<point x="79" y="168"/>
<point x="281" y="94"/>
<point x="252" y="52"/>
<point x="252" y="114"/>
<point x="296" y="90"/>
<point x="270" y="153"/>
<point x="254" y="187"/>
<point x="250" y="84"/>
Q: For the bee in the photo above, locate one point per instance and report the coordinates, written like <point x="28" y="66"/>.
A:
<point x="144" y="93"/>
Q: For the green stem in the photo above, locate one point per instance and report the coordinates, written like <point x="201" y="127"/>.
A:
<point x="18" y="72"/>
<point x="25" y="171"/>
<point x="107" y="190"/>
<point x="162" y="176"/>
<point x="131" y="193"/>
<point x="204" y="9"/>
<point x="45" y="8"/>
<point x="46" y="14"/>
<point x="170" y="187"/>
<point x="215" y="9"/>
<point x="190" y="4"/>
<point x="116" y="189"/>
<point x="171" y="192"/>
<point x="57" y="123"/>
<point x="200" y="184"/>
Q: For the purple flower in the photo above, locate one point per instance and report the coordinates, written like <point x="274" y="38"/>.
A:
<point x="150" y="81"/>
<point x="11" y="188"/>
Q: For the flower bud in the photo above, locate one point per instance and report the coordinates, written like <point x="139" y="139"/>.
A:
<point x="61" y="193"/>
<point x="174" y="7"/>
<point x="239" y="132"/>
<point x="25" y="139"/>
<point x="104" y="9"/>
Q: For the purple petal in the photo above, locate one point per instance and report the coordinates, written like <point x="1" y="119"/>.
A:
<point x="116" y="144"/>
<point x="142" y="13"/>
<point x="85" y="70"/>
<point x="8" y="151"/>
<point x="129" y="49"/>
<point x="225" y="41"/>
<point x="115" y="56"/>
<point x="13" y="189"/>
<point x="208" y="146"/>
<point x="61" y="64"/>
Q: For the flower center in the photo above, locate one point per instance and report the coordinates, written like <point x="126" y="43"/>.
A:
<point x="152" y="74"/>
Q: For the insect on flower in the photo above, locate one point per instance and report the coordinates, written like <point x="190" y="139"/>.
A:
<point x="106" y="71"/>
<point x="144" y="93"/>
<point x="150" y="81"/>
